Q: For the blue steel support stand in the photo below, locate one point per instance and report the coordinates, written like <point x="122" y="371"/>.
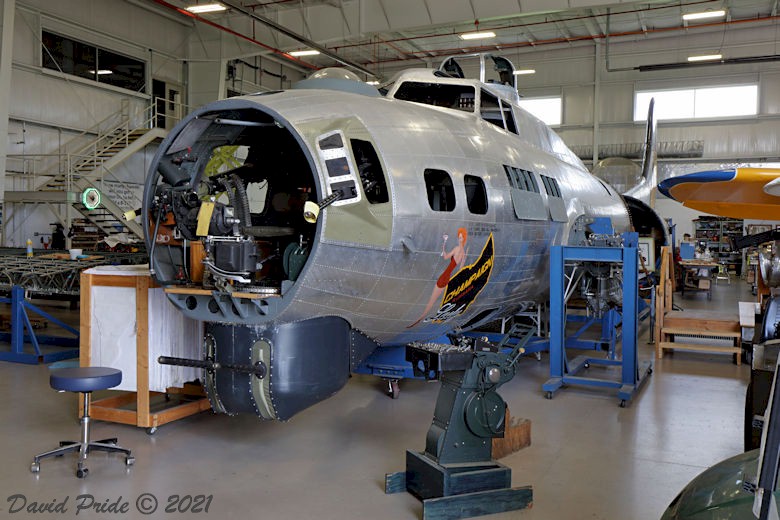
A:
<point x="563" y="372"/>
<point x="17" y="337"/>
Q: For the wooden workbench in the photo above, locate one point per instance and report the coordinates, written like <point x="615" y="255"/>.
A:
<point x="693" y="281"/>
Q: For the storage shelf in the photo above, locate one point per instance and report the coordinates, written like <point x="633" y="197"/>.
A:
<point x="718" y="232"/>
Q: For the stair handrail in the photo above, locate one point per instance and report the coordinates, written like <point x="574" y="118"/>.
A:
<point x="124" y="184"/>
<point x="122" y="114"/>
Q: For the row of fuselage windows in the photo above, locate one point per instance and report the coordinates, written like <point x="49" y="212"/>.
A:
<point x="438" y="183"/>
<point x="526" y="181"/>
<point x="441" y="192"/>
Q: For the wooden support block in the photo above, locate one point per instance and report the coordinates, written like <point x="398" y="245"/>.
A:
<point x="395" y="482"/>
<point x="517" y="435"/>
<point x="477" y="504"/>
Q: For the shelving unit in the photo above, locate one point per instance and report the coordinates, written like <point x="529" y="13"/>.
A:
<point x="751" y="255"/>
<point x="717" y="232"/>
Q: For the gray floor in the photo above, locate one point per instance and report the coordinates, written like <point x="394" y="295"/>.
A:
<point x="589" y="459"/>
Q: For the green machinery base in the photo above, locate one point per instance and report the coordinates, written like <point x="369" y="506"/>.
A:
<point x="456" y="476"/>
<point x="460" y="491"/>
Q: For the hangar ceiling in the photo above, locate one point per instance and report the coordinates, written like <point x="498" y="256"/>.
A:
<point x="381" y="34"/>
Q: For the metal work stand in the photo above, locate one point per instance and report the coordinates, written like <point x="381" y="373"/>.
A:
<point x="563" y="372"/>
<point x="455" y="477"/>
<point x="17" y="337"/>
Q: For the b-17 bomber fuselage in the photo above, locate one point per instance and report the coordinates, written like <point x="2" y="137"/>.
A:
<point x="307" y="227"/>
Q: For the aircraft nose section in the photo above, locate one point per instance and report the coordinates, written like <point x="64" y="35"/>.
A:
<point x="224" y="203"/>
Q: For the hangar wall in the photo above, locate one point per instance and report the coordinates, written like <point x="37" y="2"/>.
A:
<point x="581" y="76"/>
<point x="49" y="110"/>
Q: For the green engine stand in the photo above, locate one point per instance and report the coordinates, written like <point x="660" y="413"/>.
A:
<point x="455" y="477"/>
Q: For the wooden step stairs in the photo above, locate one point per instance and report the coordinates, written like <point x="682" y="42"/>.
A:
<point x="697" y="324"/>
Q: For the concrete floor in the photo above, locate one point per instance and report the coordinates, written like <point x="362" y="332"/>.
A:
<point x="589" y="459"/>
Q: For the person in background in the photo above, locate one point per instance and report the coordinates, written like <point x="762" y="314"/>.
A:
<point x="58" y="237"/>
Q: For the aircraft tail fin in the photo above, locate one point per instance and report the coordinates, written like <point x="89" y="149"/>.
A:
<point x="645" y="190"/>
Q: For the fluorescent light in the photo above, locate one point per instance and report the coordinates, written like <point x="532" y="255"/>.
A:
<point x="304" y="52"/>
<point x="101" y="72"/>
<point x="372" y="83"/>
<point x="524" y="71"/>
<point x="477" y="35"/>
<point x="706" y="57"/>
<point x="206" y="8"/>
<point x="704" y="15"/>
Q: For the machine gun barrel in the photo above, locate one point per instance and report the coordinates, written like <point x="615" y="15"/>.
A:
<point x="258" y="369"/>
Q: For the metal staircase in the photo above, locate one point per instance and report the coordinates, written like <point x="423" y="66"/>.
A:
<point x="118" y="138"/>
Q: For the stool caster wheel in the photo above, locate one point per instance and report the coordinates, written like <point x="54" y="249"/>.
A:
<point x="393" y="388"/>
<point x="622" y="403"/>
<point x="586" y="365"/>
<point x="129" y="460"/>
<point x="82" y="472"/>
<point x="151" y="431"/>
<point x="548" y="395"/>
<point x="35" y="467"/>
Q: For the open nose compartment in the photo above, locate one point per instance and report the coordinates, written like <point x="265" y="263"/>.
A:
<point x="224" y="207"/>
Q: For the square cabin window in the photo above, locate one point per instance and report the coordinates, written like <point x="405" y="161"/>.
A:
<point x="476" y="195"/>
<point x="438" y="186"/>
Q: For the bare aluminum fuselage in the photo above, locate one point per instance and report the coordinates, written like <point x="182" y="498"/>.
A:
<point x="375" y="265"/>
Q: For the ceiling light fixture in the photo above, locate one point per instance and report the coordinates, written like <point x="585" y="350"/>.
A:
<point x="372" y="83"/>
<point x="477" y="35"/>
<point x="206" y="8"/>
<point x="101" y="72"/>
<point x="524" y="71"/>
<point x="706" y="57"/>
<point x="304" y="52"/>
<point x="704" y="15"/>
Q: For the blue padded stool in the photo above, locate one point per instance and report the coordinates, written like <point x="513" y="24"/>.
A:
<point x="84" y="380"/>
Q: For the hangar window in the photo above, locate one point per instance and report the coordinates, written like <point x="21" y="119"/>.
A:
<point x="698" y="103"/>
<point x="91" y="62"/>
<point x="459" y="97"/>
<point x="438" y="186"/>
<point x="371" y="175"/>
<point x="476" y="196"/>
<point x="547" y="108"/>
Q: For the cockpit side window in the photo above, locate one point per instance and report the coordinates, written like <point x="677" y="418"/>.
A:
<point x="372" y="177"/>
<point x="497" y="112"/>
<point x="457" y="97"/>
